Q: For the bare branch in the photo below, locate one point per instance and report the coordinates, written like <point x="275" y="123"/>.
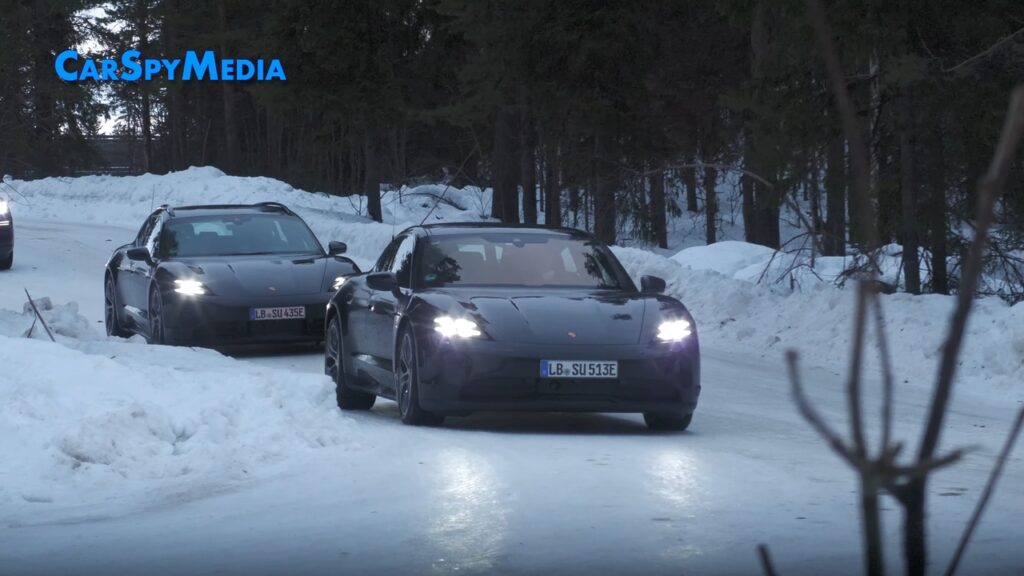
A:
<point x="39" y="315"/>
<point x="990" y="487"/>
<point x="984" y="53"/>
<point x="766" y="560"/>
<point x="853" y="384"/>
<point x="813" y="418"/>
<point x="888" y="380"/>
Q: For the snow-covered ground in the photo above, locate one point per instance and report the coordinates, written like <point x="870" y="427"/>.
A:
<point x="122" y="457"/>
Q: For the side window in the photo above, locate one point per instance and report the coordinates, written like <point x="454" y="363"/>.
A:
<point x="384" y="262"/>
<point x="146" y="231"/>
<point x="402" y="263"/>
<point x="153" y="240"/>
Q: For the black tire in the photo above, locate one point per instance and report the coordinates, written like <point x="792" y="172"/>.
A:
<point x="348" y="399"/>
<point x="407" y="384"/>
<point x="156" y="317"/>
<point x="6" y="263"/>
<point x="110" y="310"/>
<point x="676" y="422"/>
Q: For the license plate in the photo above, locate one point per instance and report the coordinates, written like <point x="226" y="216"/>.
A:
<point x="579" y="369"/>
<point x="278" y="313"/>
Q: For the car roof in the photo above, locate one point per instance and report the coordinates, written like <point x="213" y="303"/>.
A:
<point x="461" y="228"/>
<point x="214" y="209"/>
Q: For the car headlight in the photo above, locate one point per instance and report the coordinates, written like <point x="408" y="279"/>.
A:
<point x="4" y="209"/>
<point x="189" y="287"/>
<point x="457" y="327"/>
<point x="338" y="283"/>
<point x="674" y="330"/>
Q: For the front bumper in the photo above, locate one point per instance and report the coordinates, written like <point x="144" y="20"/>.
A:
<point x="212" y="319"/>
<point x="479" y="375"/>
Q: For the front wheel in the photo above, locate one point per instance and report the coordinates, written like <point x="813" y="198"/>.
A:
<point x="348" y="399"/>
<point x="676" y="422"/>
<point x="408" y="386"/>
<point x="156" y="317"/>
<point x="110" y="307"/>
<point x="7" y="262"/>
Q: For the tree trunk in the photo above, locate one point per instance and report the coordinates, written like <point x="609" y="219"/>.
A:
<point x="604" y="197"/>
<point x="937" y="212"/>
<point x="371" y="175"/>
<point x="710" y="204"/>
<point x="659" y="228"/>
<point x="835" y="198"/>
<point x="747" y="191"/>
<point x="528" y="166"/>
<point x="690" y="182"/>
<point x="552" y="188"/>
<point x="230" y="158"/>
<point x="505" y="168"/>
<point x="908" y="196"/>
<point x="147" y="117"/>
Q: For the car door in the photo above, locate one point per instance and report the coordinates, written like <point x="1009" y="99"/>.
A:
<point x="362" y="337"/>
<point x="385" y="305"/>
<point x="129" y="272"/>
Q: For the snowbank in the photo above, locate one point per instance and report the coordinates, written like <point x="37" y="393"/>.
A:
<point x="89" y="419"/>
<point x="129" y="199"/>
<point x="768" y="318"/>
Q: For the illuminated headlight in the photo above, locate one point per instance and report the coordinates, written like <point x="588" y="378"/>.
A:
<point x="455" y="327"/>
<point x="673" y="330"/>
<point x="3" y="208"/>
<point x="189" y="287"/>
<point x="338" y="283"/>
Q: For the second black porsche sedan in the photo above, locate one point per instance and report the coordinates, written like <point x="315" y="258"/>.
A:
<point x="455" y="319"/>
<point x="227" y="274"/>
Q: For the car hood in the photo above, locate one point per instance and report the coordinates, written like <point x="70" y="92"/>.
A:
<point x="259" y="275"/>
<point x="551" y="317"/>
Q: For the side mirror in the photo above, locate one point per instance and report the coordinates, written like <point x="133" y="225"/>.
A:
<point x="334" y="247"/>
<point x="652" y="285"/>
<point x="139" y="254"/>
<point x="382" y="281"/>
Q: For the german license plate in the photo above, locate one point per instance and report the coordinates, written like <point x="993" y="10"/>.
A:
<point x="278" y="313"/>
<point x="579" y="369"/>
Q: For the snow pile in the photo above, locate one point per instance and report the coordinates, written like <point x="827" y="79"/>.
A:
<point x="795" y="269"/>
<point x="130" y="199"/>
<point x="121" y="422"/>
<point x="743" y="316"/>
<point x="64" y="322"/>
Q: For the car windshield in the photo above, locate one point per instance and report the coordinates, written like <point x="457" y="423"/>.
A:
<point x="509" y="259"/>
<point x="237" y="235"/>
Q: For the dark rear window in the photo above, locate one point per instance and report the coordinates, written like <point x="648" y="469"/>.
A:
<point x="237" y="235"/>
<point x="509" y="259"/>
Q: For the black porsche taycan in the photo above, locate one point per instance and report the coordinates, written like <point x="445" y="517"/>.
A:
<point x="219" y="275"/>
<point x="455" y="319"/>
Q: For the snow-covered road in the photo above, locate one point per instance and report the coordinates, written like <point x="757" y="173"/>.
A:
<point x="508" y="494"/>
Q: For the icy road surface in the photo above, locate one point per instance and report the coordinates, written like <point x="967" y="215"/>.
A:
<point x="504" y="494"/>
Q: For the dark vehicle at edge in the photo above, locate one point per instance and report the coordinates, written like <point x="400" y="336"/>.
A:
<point x="224" y="274"/>
<point x="455" y="319"/>
<point x="6" y="235"/>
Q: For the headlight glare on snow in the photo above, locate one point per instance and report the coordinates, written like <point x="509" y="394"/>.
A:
<point x="338" y="283"/>
<point x="3" y="208"/>
<point x="673" y="330"/>
<point x="455" y="327"/>
<point x="189" y="287"/>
